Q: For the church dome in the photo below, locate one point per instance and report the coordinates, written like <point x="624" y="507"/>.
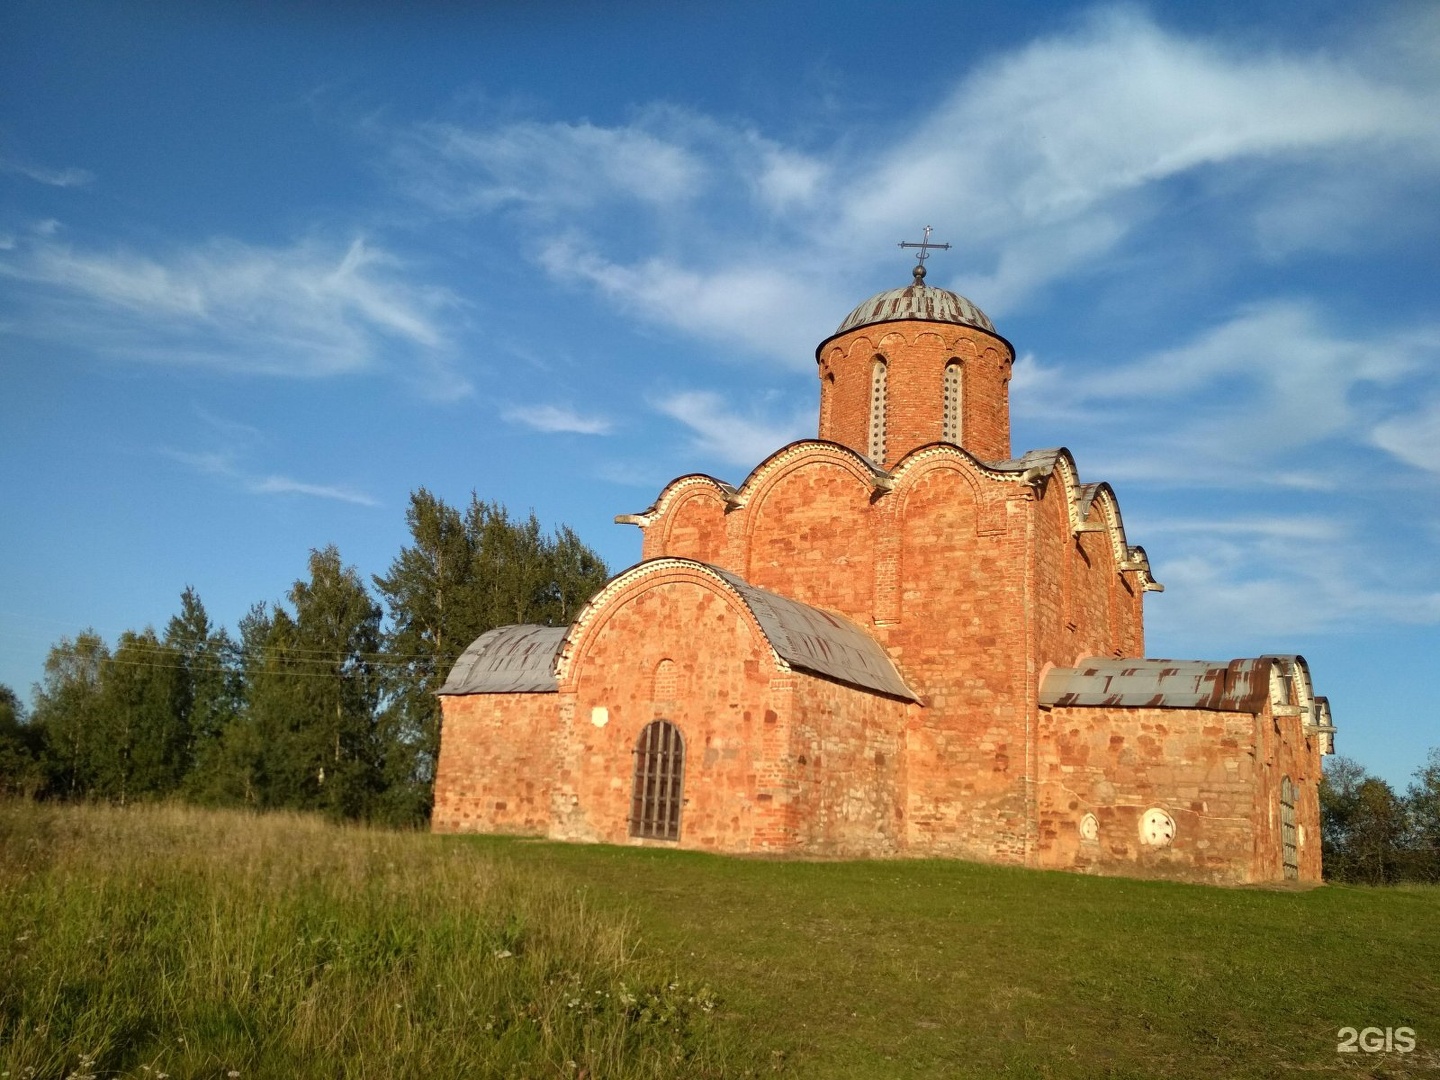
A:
<point x="917" y="301"/>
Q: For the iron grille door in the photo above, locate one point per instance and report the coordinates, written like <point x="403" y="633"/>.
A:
<point x="659" y="777"/>
<point x="1287" y="829"/>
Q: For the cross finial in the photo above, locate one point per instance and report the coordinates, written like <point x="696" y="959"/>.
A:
<point x="924" y="253"/>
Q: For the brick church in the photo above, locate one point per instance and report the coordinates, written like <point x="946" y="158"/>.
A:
<point x="896" y="639"/>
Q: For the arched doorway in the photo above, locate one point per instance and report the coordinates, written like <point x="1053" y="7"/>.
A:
<point x="655" y="799"/>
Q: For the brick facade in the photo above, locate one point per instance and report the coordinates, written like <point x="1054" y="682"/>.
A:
<point x="976" y="574"/>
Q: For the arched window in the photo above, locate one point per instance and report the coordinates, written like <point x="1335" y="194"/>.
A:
<point x="877" y="411"/>
<point x="667" y="682"/>
<point x="951" y="430"/>
<point x="1291" y="850"/>
<point x="659" y="777"/>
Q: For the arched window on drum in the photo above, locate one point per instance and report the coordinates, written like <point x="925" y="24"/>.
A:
<point x="953" y="399"/>
<point x="878" y="378"/>
<point x="657" y="793"/>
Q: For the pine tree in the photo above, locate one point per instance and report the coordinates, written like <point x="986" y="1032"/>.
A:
<point x="462" y="576"/>
<point x="430" y="598"/>
<point x="207" y="691"/>
<point x="309" y="737"/>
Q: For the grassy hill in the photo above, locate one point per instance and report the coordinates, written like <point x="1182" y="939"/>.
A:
<point x="193" y="943"/>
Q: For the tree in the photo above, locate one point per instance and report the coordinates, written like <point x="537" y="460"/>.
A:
<point x="1423" y="804"/>
<point x="1363" y="825"/>
<point x="463" y="575"/>
<point x="310" y="737"/>
<point x="68" y="712"/>
<point x="430" y="597"/>
<point x="141" y="744"/>
<point x="206" y="690"/>
<point x="20" y="748"/>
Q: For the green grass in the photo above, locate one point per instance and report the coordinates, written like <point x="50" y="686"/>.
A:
<point x="189" y="943"/>
<point x="198" y="943"/>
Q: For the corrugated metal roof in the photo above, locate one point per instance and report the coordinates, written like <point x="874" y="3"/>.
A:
<point x="1236" y="686"/>
<point x="820" y="642"/>
<point x="508" y="660"/>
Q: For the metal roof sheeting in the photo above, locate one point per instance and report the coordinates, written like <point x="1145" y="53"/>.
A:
<point x="1237" y="686"/>
<point x="820" y="642"/>
<point x="521" y="659"/>
<point x="923" y="302"/>
<point x="508" y="660"/>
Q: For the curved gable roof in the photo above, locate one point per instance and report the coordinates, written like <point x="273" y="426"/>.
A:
<point x="508" y="660"/>
<point x="820" y="642"/>
<point x="800" y="637"/>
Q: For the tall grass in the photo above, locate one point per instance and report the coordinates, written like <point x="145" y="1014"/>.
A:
<point x="172" y="941"/>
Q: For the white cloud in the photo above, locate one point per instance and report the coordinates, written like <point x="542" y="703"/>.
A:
<point x="226" y="465"/>
<point x="555" y="418"/>
<point x="284" y="485"/>
<point x="1414" y="437"/>
<point x="62" y="178"/>
<point x="719" y="432"/>
<point x="1046" y="162"/>
<point x="306" y="310"/>
<point x="758" y="308"/>
<point x="1240" y="401"/>
<point x="549" y="167"/>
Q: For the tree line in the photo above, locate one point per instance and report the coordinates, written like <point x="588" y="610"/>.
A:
<point x="1375" y="835"/>
<point x="322" y="701"/>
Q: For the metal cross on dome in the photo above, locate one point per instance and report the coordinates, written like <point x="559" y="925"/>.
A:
<point x="924" y="253"/>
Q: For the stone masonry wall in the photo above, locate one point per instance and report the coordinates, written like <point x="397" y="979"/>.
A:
<point x="497" y="763"/>
<point x="846" y="749"/>
<point x="721" y="690"/>
<point x="1199" y="766"/>
<point x="810" y="536"/>
<point x="961" y="640"/>
<point x="1284" y="749"/>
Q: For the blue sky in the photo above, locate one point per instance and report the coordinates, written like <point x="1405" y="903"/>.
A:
<point x="265" y="269"/>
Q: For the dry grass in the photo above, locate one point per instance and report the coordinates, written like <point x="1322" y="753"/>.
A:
<point x="171" y="941"/>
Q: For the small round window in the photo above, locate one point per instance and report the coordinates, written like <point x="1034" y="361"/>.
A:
<point x="1157" y="828"/>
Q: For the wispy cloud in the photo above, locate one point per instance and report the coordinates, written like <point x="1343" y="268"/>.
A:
<point x="309" y="310"/>
<point x="1055" y="157"/>
<point x="1261" y="392"/>
<point x="62" y="178"/>
<point x="226" y="464"/>
<point x="720" y="432"/>
<point x="548" y="167"/>
<point x="285" y="485"/>
<point x="1413" y="437"/>
<point x="555" y="418"/>
<point x="1272" y="578"/>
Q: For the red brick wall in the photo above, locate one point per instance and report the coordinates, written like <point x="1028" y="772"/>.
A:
<point x="916" y="353"/>
<point x="735" y="723"/>
<point x="498" y="760"/>
<point x="846" y="748"/>
<point x="1283" y="749"/>
<point x="809" y="534"/>
<point x="1083" y="605"/>
<point x="961" y="640"/>
<point x="694" y="528"/>
<point x="1217" y="774"/>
